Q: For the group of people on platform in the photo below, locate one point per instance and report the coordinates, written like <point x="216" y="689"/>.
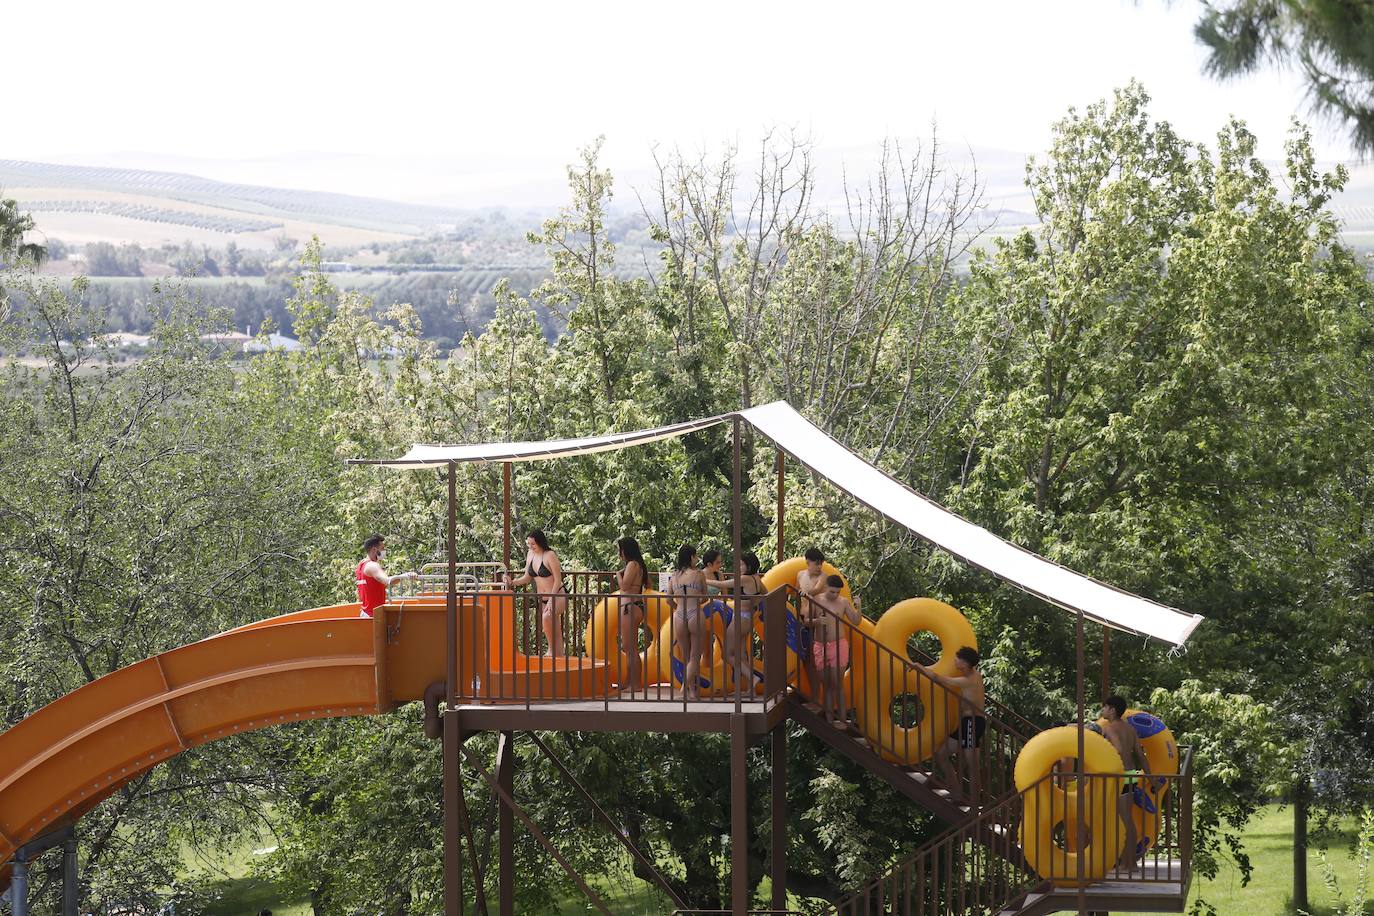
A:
<point x="696" y="580"/>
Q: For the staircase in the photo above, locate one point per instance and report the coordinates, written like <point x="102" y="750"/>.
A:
<point x="977" y="867"/>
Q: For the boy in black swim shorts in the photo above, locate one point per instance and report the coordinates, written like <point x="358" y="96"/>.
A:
<point x="965" y="740"/>
<point x="969" y="734"/>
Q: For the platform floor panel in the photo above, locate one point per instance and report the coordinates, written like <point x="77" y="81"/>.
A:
<point x="622" y="715"/>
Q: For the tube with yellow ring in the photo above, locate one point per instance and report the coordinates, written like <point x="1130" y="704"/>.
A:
<point x="884" y="678"/>
<point x="1051" y="807"/>
<point x="672" y="668"/>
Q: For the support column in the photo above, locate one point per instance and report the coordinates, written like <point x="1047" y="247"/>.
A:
<point x="19" y="887"/>
<point x="739" y="817"/>
<point x="70" y="877"/>
<point x="451" y="602"/>
<point x="453" y="837"/>
<point x="736" y="552"/>
<point x="779" y="831"/>
<point x="505" y="778"/>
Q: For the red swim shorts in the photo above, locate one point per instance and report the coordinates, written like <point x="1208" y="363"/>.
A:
<point x="831" y="654"/>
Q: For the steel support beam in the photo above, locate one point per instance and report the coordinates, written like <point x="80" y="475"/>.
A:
<point x="505" y="778"/>
<point x="736" y="552"/>
<point x="505" y="515"/>
<point x="782" y="503"/>
<point x="779" y="826"/>
<point x="1106" y="662"/>
<point x="71" y="876"/>
<point x="739" y="817"/>
<point x="19" y="887"/>
<point x="24" y="855"/>
<point x="453" y="835"/>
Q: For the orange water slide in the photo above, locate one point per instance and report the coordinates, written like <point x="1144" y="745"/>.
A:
<point x="60" y="761"/>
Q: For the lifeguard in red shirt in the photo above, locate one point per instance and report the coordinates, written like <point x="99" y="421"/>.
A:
<point x="372" y="579"/>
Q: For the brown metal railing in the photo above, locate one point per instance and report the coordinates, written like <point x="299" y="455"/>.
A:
<point x="909" y="717"/>
<point x="974" y="868"/>
<point x="987" y="863"/>
<point x="508" y="657"/>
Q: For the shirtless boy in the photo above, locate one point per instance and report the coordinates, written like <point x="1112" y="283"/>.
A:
<point x="1123" y="737"/>
<point x="966" y="739"/>
<point x="830" y="617"/>
<point x="811" y="584"/>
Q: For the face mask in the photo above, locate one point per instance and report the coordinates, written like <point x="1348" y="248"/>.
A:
<point x="381" y="554"/>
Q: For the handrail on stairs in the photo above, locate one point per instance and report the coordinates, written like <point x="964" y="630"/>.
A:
<point x="982" y="866"/>
<point x="908" y="717"/>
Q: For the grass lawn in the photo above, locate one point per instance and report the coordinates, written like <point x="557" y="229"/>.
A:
<point x="237" y="892"/>
<point x="1269" y="841"/>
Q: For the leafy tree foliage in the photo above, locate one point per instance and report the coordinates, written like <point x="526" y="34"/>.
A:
<point x="1330" y="44"/>
<point x="1164" y="384"/>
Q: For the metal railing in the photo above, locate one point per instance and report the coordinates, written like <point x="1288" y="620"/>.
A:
<point x="1024" y="843"/>
<point x="909" y="718"/>
<point x="974" y="868"/>
<point x="523" y="647"/>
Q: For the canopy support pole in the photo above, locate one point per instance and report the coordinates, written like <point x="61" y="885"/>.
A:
<point x="453" y="787"/>
<point x="1106" y="662"/>
<point x="782" y="489"/>
<point x="505" y="515"/>
<point x="1081" y="770"/>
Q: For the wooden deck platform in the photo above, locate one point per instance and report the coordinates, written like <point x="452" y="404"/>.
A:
<point x="1158" y="887"/>
<point x="623" y="715"/>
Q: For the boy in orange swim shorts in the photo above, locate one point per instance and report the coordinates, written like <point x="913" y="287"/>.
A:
<point x="831" y="616"/>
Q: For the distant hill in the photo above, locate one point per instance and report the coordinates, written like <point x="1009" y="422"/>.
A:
<point x="89" y="203"/>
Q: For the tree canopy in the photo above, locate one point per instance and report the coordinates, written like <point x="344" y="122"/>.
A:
<point x="1165" y="383"/>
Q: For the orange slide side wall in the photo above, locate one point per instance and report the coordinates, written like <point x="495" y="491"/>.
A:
<point x="64" y="758"/>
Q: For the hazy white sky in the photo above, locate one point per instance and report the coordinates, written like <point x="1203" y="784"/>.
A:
<point x="459" y="95"/>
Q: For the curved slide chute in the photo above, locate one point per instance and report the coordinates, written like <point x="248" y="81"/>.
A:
<point x="59" y="762"/>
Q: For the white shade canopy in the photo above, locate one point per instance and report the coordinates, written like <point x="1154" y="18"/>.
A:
<point x="807" y="443"/>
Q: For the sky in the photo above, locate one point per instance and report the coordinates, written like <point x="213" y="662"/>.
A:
<point x="476" y="103"/>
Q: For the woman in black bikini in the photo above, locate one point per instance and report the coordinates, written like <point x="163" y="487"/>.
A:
<point x="543" y="568"/>
<point x="631" y="581"/>
<point x="739" y="632"/>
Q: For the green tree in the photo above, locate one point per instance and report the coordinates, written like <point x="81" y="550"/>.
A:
<point x="13" y="226"/>
<point x="1330" y="44"/>
<point x="1175" y="360"/>
<point x="144" y="505"/>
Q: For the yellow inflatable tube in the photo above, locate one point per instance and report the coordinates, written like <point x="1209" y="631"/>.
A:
<point x="1049" y="805"/>
<point x="601" y="638"/>
<point x="884" y="679"/>
<point x="785" y="573"/>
